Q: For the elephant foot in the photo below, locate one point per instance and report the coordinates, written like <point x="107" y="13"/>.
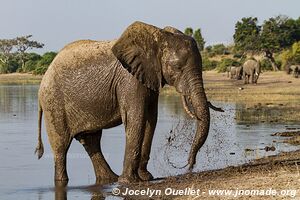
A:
<point x="145" y="175"/>
<point x="129" y="179"/>
<point x="103" y="180"/>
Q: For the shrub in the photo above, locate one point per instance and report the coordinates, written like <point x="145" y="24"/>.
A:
<point x="296" y="52"/>
<point x="265" y="65"/>
<point x="290" y="56"/>
<point x="44" y="62"/>
<point x="222" y="66"/>
<point x="209" y="64"/>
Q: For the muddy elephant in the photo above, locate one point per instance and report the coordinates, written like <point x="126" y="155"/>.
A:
<point x="96" y="85"/>
<point x="294" y="70"/>
<point x="251" y="70"/>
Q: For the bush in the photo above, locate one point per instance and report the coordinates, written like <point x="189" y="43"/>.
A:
<point x="265" y="65"/>
<point x="3" y="68"/>
<point x="296" y="52"/>
<point x="11" y="66"/>
<point x="44" y="62"/>
<point x="290" y="56"/>
<point x="222" y="66"/>
<point x="209" y="64"/>
<point x="30" y="65"/>
<point x="218" y="49"/>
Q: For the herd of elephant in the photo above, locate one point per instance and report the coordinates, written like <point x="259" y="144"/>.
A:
<point x="249" y="71"/>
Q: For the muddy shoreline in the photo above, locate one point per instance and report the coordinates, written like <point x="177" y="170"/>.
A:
<point x="280" y="172"/>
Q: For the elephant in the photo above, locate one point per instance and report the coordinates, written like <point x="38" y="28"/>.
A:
<point x="294" y="69"/>
<point x="235" y="72"/>
<point x="96" y="85"/>
<point x="232" y="71"/>
<point x="251" y="70"/>
<point x="228" y="70"/>
<point x="239" y="72"/>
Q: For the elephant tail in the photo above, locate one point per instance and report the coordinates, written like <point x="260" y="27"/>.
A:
<point x="40" y="147"/>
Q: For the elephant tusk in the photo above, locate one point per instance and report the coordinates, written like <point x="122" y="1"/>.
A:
<point x="214" y="107"/>
<point x="186" y="108"/>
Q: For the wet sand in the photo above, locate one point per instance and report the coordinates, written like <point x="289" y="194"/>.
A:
<point x="278" y="173"/>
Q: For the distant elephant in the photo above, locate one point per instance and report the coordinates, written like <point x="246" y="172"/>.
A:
<point x="235" y="72"/>
<point x="251" y="70"/>
<point x="239" y="72"/>
<point x="232" y="70"/>
<point x="96" y="85"/>
<point x="228" y="70"/>
<point x="295" y="70"/>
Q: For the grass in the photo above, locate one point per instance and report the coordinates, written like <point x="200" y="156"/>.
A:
<point x="272" y="87"/>
<point x="20" y="78"/>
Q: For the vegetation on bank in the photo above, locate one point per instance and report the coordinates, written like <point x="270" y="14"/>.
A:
<point x="15" y="58"/>
<point x="275" y="43"/>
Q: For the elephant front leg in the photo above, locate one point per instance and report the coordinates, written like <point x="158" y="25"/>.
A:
<point x="91" y="143"/>
<point x="135" y="128"/>
<point x="252" y="78"/>
<point x="144" y="174"/>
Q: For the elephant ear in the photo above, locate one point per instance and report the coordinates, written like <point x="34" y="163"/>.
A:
<point x="138" y="51"/>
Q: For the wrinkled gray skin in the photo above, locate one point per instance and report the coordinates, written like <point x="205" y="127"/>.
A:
<point x="239" y="73"/>
<point x="94" y="85"/>
<point x="294" y="70"/>
<point x="235" y="72"/>
<point x="251" y="70"/>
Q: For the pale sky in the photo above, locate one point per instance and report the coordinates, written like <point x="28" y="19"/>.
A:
<point x="58" y="22"/>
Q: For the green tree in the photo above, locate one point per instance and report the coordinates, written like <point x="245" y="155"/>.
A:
<point x="246" y="35"/>
<point x="199" y="39"/>
<point x="273" y="36"/>
<point x="276" y="34"/>
<point x="23" y="44"/>
<point x="189" y="31"/>
<point x="296" y="52"/>
<point x="44" y="62"/>
<point x="6" y="53"/>
<point x="32" y="61"/>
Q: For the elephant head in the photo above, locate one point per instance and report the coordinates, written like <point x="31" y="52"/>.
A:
<point x="167" y="56"/>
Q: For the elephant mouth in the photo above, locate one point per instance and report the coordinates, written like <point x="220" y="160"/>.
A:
<point x="188" y="106"/>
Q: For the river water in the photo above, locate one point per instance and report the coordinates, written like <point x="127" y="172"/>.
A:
<point x="23" y="176"/>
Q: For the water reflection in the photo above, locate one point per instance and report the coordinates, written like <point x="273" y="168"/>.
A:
<point x="230" y="134"/>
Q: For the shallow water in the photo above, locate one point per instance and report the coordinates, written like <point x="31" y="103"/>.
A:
<point x="23" y="176"/>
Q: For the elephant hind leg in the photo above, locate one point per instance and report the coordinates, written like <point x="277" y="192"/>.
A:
<point x="60" y="146"/>
<point x="91" y="143"/>
<point x="60" y="139"/>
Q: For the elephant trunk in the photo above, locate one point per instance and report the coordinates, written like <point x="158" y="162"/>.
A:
<point x="201" y="111"/>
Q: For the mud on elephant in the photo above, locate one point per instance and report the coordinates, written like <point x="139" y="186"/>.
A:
<point x="96" y="85"/>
